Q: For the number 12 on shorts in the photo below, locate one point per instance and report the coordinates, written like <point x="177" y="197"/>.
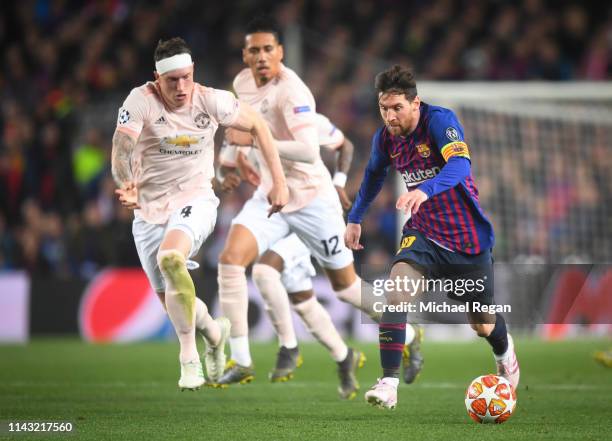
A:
<point x="331" y="246"/>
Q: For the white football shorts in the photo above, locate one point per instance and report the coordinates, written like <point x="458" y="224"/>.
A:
<point x="197" y="219"/>
<point x="319" y="225"/>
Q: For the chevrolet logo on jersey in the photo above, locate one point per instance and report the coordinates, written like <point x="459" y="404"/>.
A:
<point x="417" y="177"/>
<point x="181" y="141"/>
<point x="169" y="145"/>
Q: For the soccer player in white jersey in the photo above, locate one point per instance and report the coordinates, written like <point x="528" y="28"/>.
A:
<point x="162" y="162"/>
<point x="314" y="212"/>
<point x="287" y="268"/>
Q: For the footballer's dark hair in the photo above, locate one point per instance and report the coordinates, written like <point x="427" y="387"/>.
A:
<point x="264" y="23"/>
<point x="169" y="48"/>
<point x="396" y="80"/>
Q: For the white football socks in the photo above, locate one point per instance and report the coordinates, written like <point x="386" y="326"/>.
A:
<point x="234" y="298"/>
<point x="410" y="333"/>
<point x="365" y="302"/>
<point x="268" y="281"/>
<point x="205" y="324"/>
<point x="319" y="323"/>
<point x="241" y="353"/>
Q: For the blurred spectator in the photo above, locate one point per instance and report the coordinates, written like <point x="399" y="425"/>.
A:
<point x="66" y="66"/>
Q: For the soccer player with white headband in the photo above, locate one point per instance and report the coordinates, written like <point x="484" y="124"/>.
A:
<point x="162" y="162"/>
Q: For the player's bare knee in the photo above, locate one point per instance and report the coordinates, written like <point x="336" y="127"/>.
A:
<point x="272" y="259"/>
<point x="170" y="261"/>
<point x="483" y="329"/>
<point x="231" y="257"/>
<point x="299" y="297"/>
<point x="343" y="278"/>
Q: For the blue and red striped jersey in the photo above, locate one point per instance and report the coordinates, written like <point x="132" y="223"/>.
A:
<point x="435" y="159"/>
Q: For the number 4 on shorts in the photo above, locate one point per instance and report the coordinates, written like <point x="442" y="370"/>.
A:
<point x="186" y="211"/>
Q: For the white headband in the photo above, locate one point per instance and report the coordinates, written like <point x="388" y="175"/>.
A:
<point x="172" y="63"/>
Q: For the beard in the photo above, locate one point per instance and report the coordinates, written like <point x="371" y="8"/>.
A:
<point x="397" y="130"/>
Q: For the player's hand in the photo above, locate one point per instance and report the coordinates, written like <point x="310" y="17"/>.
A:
<point x="238" y="137"/>
<point x="344" y="199"/>
<point x="352" y="236"/>
<point x="231" y="182"/>
<point x="128" y="196"/>
<point x="247" y="171"/>
<point x="278" y="198"/>
<point x="411" y="201"/>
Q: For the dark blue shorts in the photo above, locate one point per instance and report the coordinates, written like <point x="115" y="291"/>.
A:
<point x="471" y="271"/>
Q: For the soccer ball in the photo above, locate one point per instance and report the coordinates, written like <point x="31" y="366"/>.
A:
<point x="490" y="399"/>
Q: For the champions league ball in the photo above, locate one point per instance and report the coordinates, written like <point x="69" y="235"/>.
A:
<point x="490" y="399"/>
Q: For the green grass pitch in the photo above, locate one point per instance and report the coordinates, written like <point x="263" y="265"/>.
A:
<point x="129" y="392"/>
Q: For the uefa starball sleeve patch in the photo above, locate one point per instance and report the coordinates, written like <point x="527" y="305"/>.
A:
<point x="124" y="116"/>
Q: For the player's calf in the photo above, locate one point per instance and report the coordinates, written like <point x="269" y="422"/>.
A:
<point x="502" y="345"/>
<point x="179" y="285"/>
<point x="180" y="302"/>
<point x="268" y="281"/>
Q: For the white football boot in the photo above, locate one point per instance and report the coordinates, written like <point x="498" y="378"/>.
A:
<point x="384" y="393"/>
<point x="507" y="364"/>
<point x="214" y="356"/>
<point x="192" y="376"/>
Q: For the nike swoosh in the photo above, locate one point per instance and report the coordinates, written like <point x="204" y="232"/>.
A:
<point x="396" y="155"/>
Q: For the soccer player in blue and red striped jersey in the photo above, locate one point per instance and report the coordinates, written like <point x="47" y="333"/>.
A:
<point x="447" y="231"/>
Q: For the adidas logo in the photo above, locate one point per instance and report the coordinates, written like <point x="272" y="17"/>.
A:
<point x="161" y="120"/>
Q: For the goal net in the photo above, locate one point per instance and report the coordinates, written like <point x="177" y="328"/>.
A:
<point x="542" y="161"/>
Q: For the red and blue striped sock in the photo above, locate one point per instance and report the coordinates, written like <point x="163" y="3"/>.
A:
<point x="391" y="337"/>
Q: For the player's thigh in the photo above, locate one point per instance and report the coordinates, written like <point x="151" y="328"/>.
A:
<point x="341" y="278"/>
<point x="254" y="218"/>
<point x="321" y="227"/>
<point x="473" y="280"/>
<point x="405" y="271"/>
<point x="147" y="238"/>
<point x="190" y="225"/>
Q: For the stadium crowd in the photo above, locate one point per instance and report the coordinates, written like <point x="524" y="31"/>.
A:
<point x="66" y="67"/>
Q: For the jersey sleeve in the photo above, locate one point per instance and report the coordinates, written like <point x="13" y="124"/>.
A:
<point x="297" y="106"/>
<point x="447" y="133"/>
<point x="225" y="108"/>
<point x="133" y="113"/>
<point x="373" y="180"/>
<point x="330" y="136"/>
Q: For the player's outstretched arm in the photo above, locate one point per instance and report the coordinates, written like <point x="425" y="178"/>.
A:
<point x="247" y="170"/>
<point x="373" y="180"/>
<point x="123" y="146"/>
<point x="343" y="165"/>
<point x="252" y="122"/>
<point x="345" y="156"/>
